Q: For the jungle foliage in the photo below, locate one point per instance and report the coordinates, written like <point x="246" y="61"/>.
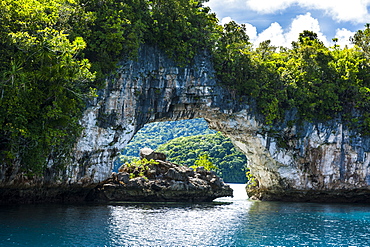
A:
<point x="321" y="83"/>
<point x="43" y="82"/>
<point x="55" y="53"/>
<point x="191" y="143"/>
<point x="213" y="151"/>
<point x="137" y="167"/>
<point x="154" y="134"/>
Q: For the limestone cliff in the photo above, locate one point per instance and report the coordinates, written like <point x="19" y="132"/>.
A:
<point x="312" y="161"/>
<point x="307" y="162"/>
<point x="150" y="89"/>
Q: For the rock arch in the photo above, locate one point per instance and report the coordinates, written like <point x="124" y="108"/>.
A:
<point x="317" y="162"/>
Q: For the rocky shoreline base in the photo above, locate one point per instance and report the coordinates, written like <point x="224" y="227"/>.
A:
<point x="155" y="180"/>
<point x="167" y="182"/>
<point x="322" y="196"/>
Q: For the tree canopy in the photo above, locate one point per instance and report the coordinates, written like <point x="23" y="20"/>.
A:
<point x="214" y="151"/>
<point x="153" y="135"/>
<point x="55" y="54"/>
<point x="321" y="83"/>
<point x="42" y="82"/>
<point x="191" y="143"/>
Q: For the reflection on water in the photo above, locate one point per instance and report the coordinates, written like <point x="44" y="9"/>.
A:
<point x="227" y="222"/>
<point x="308" y="224"/>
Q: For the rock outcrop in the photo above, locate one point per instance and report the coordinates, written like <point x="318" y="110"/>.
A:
<point x="305" y="162"/>
<point x="149" y="154"/>
<point x="161" y="181"/>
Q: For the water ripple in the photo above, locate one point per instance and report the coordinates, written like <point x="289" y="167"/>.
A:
<point x="227" y="222"/>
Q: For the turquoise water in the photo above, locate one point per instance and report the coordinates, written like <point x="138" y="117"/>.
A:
<point x="227" y="222"/>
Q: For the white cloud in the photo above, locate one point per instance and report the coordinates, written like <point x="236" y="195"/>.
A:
<point x="227" y="4"/>
<point x="279" y="37"/>
<point x="251" y="31"/>
<point x="343" y="36"/>
<point x="274" y="33"/>
<point x="225" y="20"/>
<point x="340" y="10"/>
<point x="305" y="22"/>
<point x="268" y="6"/>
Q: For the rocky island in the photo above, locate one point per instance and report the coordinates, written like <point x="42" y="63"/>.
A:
<point x="153" y="179"/>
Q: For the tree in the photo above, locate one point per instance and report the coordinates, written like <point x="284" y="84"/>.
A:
<point x="232" y="58"/>
<point x="54" y="54"/>
<point x="42" y="83"/>
<point x="362" y="40"/>
<point x="182" y="28"/>
<point x="113" y="30"/>
<point x="220" y="151"/>
<point x="310" y="79"/>
<point x="203" y="160"/>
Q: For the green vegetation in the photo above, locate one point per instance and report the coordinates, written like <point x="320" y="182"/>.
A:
<point x="55" y="53"/>
<point x="319" y="82"/>
<point x="43" y="82"/>
<point x="191" y="143"/>
<point x="210" y="151"/>
<point x="252" y="182"/>
<point x="203" y="161"/>
<point x="137" y="167"/>
<point x="154" y="134"/>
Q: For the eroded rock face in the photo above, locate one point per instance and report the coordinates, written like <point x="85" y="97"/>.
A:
<point x="308" y="162"/>
<point x="312" y="161"/>
<point x="164" y="182"/>
<point x="150" y="89"/>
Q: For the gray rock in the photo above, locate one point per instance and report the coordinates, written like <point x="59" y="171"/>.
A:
<point x="173" y="183"/>
<point x="178" y="186"/>
<point x="200" y="169"/>
<point x="149" y="154"/>
<point x="124" y="177"/>
<point x="172" y="173"/>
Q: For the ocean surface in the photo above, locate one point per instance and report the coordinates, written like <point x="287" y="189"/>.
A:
<point x="226" y="222"/>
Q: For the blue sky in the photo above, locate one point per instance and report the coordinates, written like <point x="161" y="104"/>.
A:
<point x="281" y="21"/>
